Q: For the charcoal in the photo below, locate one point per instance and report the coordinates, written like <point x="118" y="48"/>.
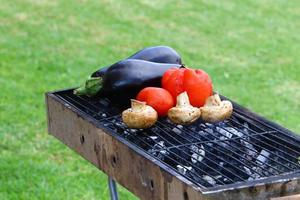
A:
<point x="262" y="158"/>
<point x="198" y="153"/>
<point x="248" y="171"/>
<point x="209" y="131"/>
<point x="255" y="174"/>
<point x="133" y="130"/>
<point x="159" y="150"/>
<point x="179" y="126"/>
<point x="209" y="144"/>
<point x="246" y="128"/>
<point x="183" y="169"/>
<point x="223" y="144"/>
<point x="120" y="125"/>
<point x="226" y="180"/>
<point x="153" y="137"/>
<point x="177" y="130"/>
<point x="225" y="134"/>
<point x="249" y="148"/>
<point x="198" y="136"/>
<point x="221" y="164"/>
<point x="209" y="179"/>
<point x="126" y="133"/>
<point x="218" y="178"/>
<point x="181" y="154"/>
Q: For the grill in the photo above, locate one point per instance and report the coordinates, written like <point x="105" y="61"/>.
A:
<point x="244" y="157"/>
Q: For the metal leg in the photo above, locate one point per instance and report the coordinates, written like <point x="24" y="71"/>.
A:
<point x="112" y="189"/>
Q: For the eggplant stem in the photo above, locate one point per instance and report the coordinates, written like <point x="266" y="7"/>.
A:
<point x="90" y="88"/>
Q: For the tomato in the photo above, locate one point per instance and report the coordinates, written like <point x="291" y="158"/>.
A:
<point x="196" y="83"/>
<point x="158" y="98"/>
<point x="172" y="81"/>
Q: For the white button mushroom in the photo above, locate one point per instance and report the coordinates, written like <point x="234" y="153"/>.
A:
<point x="184" y="112"/>
<point x="139" y="115"/>
<point x="216" y="110"/>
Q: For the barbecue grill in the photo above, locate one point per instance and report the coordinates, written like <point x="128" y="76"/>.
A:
<point x="244" y="157"/>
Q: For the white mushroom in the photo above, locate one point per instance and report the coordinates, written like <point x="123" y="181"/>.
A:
<point x="184" y="112"/>
<point x="216" y="110"/>
<point x="139" y="115"/>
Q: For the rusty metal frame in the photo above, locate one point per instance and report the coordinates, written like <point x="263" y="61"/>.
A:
<point x="256" y="189"/>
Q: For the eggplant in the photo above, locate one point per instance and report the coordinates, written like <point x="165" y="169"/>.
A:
<point x="124" y="79"/>
<point x="159" y="54"/>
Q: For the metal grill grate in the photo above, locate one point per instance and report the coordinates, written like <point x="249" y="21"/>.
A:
<point x="237" y="150"/>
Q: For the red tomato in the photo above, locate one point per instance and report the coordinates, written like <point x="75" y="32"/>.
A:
<point x="158" y="98"/>
<point x="172" y="81"/>
<point x="196" y="83"/>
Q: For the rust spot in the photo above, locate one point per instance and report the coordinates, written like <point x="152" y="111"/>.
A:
<point x="82" y="139"/>
<point x="97" y="148"/>
<point x="283" y="189"/>
<point x="268" y="186"/>
<point x="185" y="195"/>
<point x="253" y="190"/>
<point x="151" y="184"/>
<point x="113" y="160"/>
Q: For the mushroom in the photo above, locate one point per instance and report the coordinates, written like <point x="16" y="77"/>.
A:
<point x="215" y="110"/>
<point x="184" y="112"/>
<point x="139" y="115"/>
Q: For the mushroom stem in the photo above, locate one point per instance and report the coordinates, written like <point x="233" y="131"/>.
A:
<point x="137" y="105"/>
<point x="183" y="99"/>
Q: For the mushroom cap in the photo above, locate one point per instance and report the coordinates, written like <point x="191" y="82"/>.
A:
<point x="216" y="110"/>
<point x="184" y="112"/>
<point x="139" y="115"/>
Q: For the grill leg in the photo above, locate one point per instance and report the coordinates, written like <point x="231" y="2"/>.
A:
<point x="112" y="189"/>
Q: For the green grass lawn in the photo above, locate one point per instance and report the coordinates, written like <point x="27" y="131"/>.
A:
<point x="250" y="49"/>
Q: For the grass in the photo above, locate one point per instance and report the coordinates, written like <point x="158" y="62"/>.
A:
<point x="250" y="49"/>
